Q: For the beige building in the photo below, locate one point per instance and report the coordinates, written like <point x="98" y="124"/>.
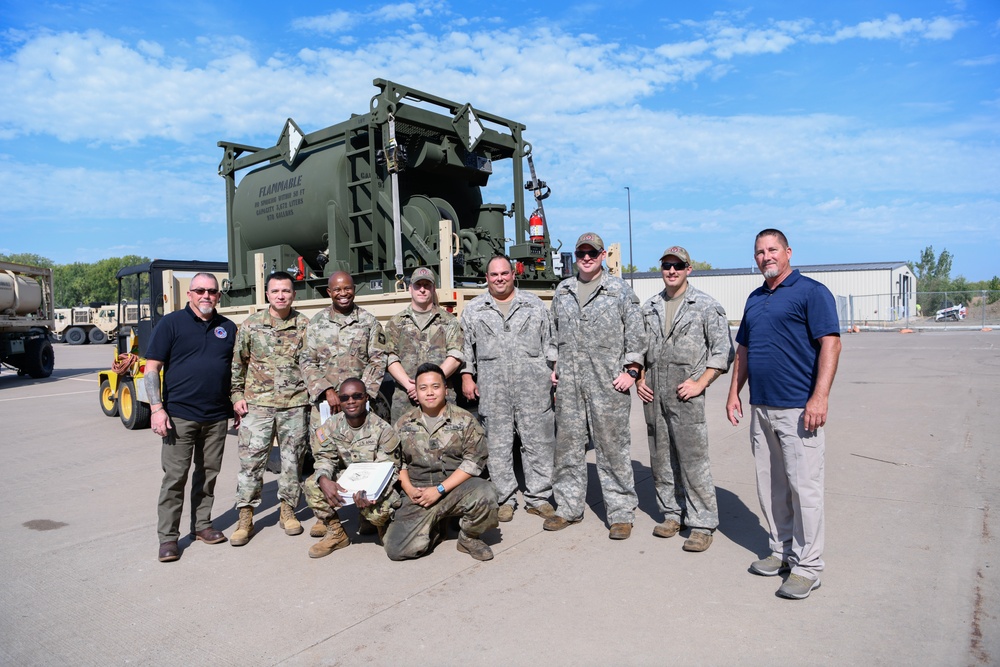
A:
<point x="869" y="293"/>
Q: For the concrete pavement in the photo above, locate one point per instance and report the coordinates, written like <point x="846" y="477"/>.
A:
<point x="913" y="489"/>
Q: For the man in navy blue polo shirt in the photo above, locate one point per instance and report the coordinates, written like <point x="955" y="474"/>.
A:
<point x="194" y="347"/>
<point x="788" y="347"/>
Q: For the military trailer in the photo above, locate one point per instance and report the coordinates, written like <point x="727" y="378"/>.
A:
<point x="391" y="189"/>
<point x="26" y="319"/>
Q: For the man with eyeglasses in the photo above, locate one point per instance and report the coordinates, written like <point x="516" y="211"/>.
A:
<point x="788" y="347"/>
<point x="353" y="435"/>
<point x="194" y="349"/>
<point x="343" y="340"/>
<point x="507" y="336"/>
<point x="423" y="332"/>
<point x="270" y="397"/>
<point x="689" y="346"/>
<point x="598" y="345"/>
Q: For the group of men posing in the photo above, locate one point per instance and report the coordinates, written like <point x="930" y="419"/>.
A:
<point x="530" y="367"/>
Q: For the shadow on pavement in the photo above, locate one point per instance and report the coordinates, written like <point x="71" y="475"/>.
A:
<point x="740" y="525"/>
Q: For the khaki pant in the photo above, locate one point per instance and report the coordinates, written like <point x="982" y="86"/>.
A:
<point x="790" y="462"/>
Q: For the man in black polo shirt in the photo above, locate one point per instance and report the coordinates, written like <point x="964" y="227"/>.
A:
<point x="194" y="346"/>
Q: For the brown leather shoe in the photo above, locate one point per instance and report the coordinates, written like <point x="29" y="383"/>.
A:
<point x="505" y="513"/>
<point x="544" y="510"/>
<point x="620" y="531"/>
<point x="557" y="523"/>
<point x="169" y="552"/>
<point x="668" y="528"/>
<point x="474" y="546"/>
<point x="209" y="536"/>
<point x="698" y="542"/>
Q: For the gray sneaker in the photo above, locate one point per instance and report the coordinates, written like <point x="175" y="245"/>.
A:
<point x="770" y="566"/>
<point x="797" y="587"/>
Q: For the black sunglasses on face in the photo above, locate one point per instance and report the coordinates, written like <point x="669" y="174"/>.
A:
<point x="350" y="397"/>
<point x="593" y="254"/>
<point x="202" y="290"/>
<point x="679" y="266"/>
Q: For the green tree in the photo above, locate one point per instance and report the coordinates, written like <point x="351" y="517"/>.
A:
<point x="80" y="283"/>
<point x="29" y="258"/>
<point x="994" y="290"/>
<point x="933" y="274"/>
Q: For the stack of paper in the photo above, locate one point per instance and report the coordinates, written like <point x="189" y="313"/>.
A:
<point x="371" y="478"/>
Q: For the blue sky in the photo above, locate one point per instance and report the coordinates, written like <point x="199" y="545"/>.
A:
<point x="865" y="130"/>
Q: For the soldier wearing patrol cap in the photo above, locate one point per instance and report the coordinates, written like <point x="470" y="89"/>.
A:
<point x="689" y="346"/>
<point x="598" y="347"/>
<point x="423" y="332"/>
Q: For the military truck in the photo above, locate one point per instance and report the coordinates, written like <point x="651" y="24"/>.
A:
<point x="26" y="319"/>
<point x="146" y="292"/>
<point x="95" y="324"/>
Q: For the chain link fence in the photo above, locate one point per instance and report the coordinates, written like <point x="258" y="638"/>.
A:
<point x="974" y="309"/>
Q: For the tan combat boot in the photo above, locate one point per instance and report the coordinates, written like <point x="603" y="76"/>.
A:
<point x="334" y="539"/>
<point x="244" y="528"/>
<point x="318" y="529"/>
<point x="287" y="520"/>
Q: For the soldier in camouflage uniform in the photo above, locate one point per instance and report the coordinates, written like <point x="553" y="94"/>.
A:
<point x="444" y="452"/>
<point x="689" y="347"/>
<point x="600" y="343"/>
<point x="424" y="332"/>
<point x="342" y="341"/>
<point x="352" y="435"/>
<point x="270" y="396"/>
<point x="507" y="338"/>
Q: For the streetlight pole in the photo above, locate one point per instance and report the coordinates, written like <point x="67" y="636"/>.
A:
<point x="631" y="275"/>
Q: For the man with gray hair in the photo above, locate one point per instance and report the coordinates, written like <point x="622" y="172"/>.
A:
<point x="507" y="337"/>
<point x="788" y="348"/>
<point x="194" y="348"/>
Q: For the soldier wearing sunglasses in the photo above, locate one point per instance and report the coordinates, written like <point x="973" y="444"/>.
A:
<point x="353" y="435"/>
<point x="598" y="346"/>
<point x="689" y="347"/>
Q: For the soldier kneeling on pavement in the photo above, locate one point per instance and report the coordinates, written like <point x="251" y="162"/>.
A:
<point x="350" y="436"/>
<point x="444" y="452"/>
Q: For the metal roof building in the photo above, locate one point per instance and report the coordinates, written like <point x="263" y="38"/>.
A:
<point x="866" y="292"/>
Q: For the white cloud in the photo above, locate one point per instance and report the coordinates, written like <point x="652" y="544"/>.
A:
<point x="333" y="23"/>
<point x="982" y="61"/>
<point x="895" y="27"/>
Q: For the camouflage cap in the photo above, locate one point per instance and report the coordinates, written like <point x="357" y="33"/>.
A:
<point x="678" y="252"/>
<point x="591" y="239"/>
<point x="423" y="273"/>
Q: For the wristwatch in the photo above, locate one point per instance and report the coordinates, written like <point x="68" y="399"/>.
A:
<point x="441" y="489"/>
<point x="634" y="374"/>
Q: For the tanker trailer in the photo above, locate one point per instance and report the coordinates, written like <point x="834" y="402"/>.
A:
<point x="26" y="319"/>
<point x="380" y="194"/>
